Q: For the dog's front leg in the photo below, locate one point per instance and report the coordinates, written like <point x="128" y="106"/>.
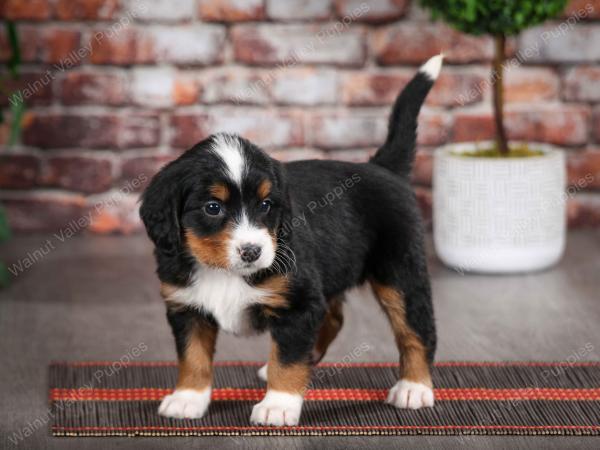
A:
<point x="286" y="385"/>
<point x="195" y="337"/>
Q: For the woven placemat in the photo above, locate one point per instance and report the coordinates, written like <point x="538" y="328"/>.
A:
<point x="116" y="399"/>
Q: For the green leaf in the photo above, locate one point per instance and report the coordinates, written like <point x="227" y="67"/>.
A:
<point x="4" y="228"/>
<point x="15" y="57"/>
<point x="494" y="17"/>
<point x="17" y="109"/>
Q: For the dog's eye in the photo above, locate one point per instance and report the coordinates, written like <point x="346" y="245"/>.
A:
<point x="265" y="206"/>
<point x="213" y="208"/>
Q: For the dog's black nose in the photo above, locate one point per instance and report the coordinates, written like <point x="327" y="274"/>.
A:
<point x="249" y="253"/>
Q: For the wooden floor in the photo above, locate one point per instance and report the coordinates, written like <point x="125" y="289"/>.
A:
<point x="97" y="299"/>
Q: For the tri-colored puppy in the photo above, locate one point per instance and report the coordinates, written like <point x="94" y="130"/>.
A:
<point x="246" y="244"/>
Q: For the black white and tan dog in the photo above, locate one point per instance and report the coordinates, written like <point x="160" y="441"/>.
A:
<point x="239" y="250"/>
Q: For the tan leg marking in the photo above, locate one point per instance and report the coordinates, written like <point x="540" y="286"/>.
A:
<point x="210" y="250"/>
<point x="291" y="378"/>
<point x="413" y="355"/>
<point x="332" y="324"/>
<point x="196" y="363"/>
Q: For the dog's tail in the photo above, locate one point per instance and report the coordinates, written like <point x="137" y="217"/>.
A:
<point x="398" y="151"/>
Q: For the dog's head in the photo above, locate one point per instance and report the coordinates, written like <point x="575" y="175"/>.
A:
<point x="221" y="202"/>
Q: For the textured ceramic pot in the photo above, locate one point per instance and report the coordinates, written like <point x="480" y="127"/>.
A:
<point x="499" y="215"/>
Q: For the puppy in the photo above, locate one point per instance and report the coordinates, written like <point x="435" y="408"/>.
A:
<point x="246" y="244"/>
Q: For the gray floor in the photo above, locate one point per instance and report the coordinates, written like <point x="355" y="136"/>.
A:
<point x="97" y="298"/>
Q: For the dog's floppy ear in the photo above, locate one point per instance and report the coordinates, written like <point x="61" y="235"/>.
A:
<point x="161" y="210"/>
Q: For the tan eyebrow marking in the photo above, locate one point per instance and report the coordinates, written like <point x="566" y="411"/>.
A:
<point x="264" y="189"/>
<point x="220" y="191"/>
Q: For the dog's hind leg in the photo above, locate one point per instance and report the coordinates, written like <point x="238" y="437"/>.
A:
<point x="402" y="288"/>
<point x="332" y="324"/>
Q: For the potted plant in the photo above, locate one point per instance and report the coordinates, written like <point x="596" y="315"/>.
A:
<point x="499" y="207"/>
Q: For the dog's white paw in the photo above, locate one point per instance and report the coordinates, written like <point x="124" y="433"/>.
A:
<point x="262" y="373"/>
<point x="409" y="394"/>
<point x="185" y="404"/>
<point x="278" y="409"/>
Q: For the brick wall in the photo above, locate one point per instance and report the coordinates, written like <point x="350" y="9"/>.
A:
<point x="116" y="88"/>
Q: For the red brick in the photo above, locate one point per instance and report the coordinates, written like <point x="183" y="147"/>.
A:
<point x="366" y="89"/>
<point x="433" y="128"/>
<point x="348" y="130"/>
<point x="584" y="168"/>
<point x="374" y="11"/>
<point x="35" y="88"/>
<point x="289" y="45"/>
<point x="473" y="126"/>
<point x="299" y="9"/>
<point x="119" y="48"/>
<point x="596" y="124"/>
<point x="454" y="87"/>
<point x="86" y="9"/>
<point x="29" y="36"/>
<point x="236" y="85"/>
<point x="59" y="45"/>
<point x="29" y="42"/>
<point x="186" y="45"/>
<point x="139" y="130"/>
<point x="353" y="155"/>
<point x="530" y="84"/>
<point x="422" y="168"/>
<point x="305" y="86"/>
<point x="560" y="125"/>
<point x="133" y="167"/>
<point x="425" y="201"/>
<point x="94" y="88"/>
<point x="161" y="10"/>
<point x="357" y="129"/>
<point x="296" y="154"/>
<point x="582" y="84"/>
<point x="231" y="10"/>
<point x="92" y="130"/>
<point x="551" y="44"/>
<point x="186" y="90"/>
<point x="153" y="86"/>
<point x="26" y="9"/>
<point x="414" y="43"/>
<point x="262" y="127"/>
<point x="458" y="87"/>
<point x="77" y="173"/>
<point x="45" y="211"/>
<point x="18" y="171"/>
<point x="583" y="210"/>
<point x="584" y="9"/>
<point x="4" y="132"/>
<point x="162" y="87"/>
<point x="56" y="131"/>
<point x="116" y="211"/>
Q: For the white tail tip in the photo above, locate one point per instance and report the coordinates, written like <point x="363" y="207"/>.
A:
<point x="433" y="66"/>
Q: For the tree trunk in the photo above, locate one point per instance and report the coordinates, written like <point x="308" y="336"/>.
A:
<point x="497" y="82"/>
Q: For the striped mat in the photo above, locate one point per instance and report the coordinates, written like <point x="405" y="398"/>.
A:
<point x="116" y="399"/>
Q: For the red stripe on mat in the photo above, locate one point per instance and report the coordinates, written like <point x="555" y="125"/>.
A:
<point x="340" y="364"/>
<point x="462" y="394"/>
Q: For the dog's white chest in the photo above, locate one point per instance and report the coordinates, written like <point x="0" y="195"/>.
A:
<point x="226" y="296"/>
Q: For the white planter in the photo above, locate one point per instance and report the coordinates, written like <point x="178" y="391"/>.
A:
<point x="495" y="215"/>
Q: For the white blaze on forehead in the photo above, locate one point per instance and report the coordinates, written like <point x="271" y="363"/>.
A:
<point x="229" y="149"/>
